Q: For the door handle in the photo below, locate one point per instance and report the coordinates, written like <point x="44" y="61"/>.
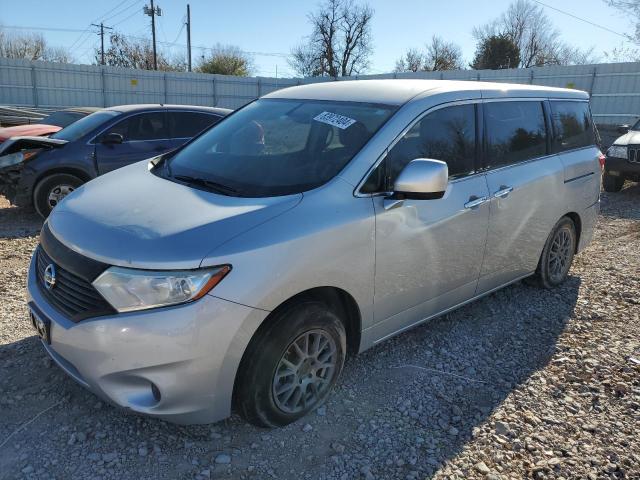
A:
<point x="476" y="201"/>
<point x="503" y="192"/>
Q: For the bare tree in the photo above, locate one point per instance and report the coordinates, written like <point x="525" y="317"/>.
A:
<point x="30" y="46"/>
<point x="411" y="61"/>
<point x="227" y="60"/>
<point x="623" y="53"/>
<point x="439" y="55"/>
<point x="442" y="55"/>
<point x="340" y="41"/>
<point x="538" y="41"/>
<point x="136" y="53"/>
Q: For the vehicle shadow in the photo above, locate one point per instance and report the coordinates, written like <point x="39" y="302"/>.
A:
<point x="622" y="204"/>
<point x="17" y="222"/>
<point x="426" y="390"/>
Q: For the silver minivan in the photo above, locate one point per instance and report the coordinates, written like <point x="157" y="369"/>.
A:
<point x="315" y="222"/>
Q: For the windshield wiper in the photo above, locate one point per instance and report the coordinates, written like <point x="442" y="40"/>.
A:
<point x="208" y="184"/>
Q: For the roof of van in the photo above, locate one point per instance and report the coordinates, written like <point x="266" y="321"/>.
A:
<point x="398" y="92"/>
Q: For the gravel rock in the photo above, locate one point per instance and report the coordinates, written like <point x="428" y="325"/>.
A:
<point x="524" y="383"/>
<point x="223" y="458"/>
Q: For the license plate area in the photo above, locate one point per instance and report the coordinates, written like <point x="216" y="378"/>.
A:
<point x="614" y="173"/>
<point x="42" y="326"/>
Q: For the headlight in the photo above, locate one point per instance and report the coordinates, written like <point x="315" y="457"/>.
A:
<point x="127" y="289"/>
<point x="617" y="151"/>
<point x="16" y="158"/>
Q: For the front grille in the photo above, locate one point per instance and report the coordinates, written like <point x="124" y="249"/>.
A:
<point x="634" y="153"/>
<point x="73" y="296"/>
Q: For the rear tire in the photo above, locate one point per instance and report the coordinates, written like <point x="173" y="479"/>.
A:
<point x="611" y="183"/>
<point x="51" y="190"/>
<point x="557" y="255"/>
<point x="290" y="369"/>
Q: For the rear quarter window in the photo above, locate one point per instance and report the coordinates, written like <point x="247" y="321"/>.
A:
<point x="572" y="125"/>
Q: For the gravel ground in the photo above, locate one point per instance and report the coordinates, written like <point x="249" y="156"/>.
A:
<point x="525" y="383"/>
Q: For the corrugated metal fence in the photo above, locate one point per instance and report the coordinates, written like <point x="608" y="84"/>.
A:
<point x="614" y="88"/>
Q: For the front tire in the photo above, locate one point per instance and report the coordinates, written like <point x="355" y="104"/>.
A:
<point x="290" y="369"/>
<point x="611" y="183"/>
<point x="557" y="255"/>
<point x="52" y="189"/>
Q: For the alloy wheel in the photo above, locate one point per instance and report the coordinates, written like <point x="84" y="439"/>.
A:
<point x="305" y="371"/>
<point x="560" y="254"/>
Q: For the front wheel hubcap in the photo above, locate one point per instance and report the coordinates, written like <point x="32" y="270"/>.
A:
<point x="57" y="193"/>
<point x="305" y="371"/>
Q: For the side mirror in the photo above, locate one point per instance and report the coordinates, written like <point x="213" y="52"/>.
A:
<point x="422" y="179"/>
<point x="623" y="129"/>
<point x="112" y="139"/>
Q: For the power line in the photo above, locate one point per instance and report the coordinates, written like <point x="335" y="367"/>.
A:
<point x="81" y="40"/>
<point x="593" y="24"/>
<point x="175" y="44"/>
<point x="127" y="18"/>
<point x="129" y="7"/>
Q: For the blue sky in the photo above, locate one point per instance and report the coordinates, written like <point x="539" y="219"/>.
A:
<point x="271" y="28"/>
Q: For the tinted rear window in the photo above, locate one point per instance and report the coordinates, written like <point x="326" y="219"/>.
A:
<point x="515" y="132"/>
<point x="62" y="119"/>
<point x="572" y="125"/>
<point x="189" y="124"/>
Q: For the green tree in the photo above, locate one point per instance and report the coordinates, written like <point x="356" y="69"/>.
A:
<point x="496" y="52"/>
<point x="227" y="60"/>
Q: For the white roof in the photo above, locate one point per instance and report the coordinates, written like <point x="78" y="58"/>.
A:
<point x="398" y="92"/>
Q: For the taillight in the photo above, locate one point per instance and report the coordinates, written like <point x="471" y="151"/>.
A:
<point x="601" y="159"/>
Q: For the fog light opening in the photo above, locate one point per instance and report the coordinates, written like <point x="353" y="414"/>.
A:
<point x="156" y="392"/>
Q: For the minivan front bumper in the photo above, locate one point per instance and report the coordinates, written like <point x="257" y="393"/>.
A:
<point x="176" y="363"/>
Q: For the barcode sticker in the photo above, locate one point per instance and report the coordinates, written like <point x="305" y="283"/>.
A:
<point x="339" y="121"/>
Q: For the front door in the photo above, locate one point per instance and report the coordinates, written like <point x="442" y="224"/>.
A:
<point x="144" y="135"/>
<point x="429" y="252"/>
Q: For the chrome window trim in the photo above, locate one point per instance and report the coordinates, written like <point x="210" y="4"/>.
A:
<point x="357" y="193"/>
<point x="213" y="114"/>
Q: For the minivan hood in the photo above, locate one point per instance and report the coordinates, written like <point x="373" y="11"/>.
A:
<point x="133" y="218"/>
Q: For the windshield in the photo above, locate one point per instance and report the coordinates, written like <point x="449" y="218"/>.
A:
<point x="636" y="126"/>
<point x="85" y="125"/>
<point x="62" y="119"/>
<point x="278" y="147"/>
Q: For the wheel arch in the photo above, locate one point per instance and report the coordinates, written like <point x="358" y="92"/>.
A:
<point x="339" y="300"/>
<point x="78" y="172"/>
<point x="577" y="222"/>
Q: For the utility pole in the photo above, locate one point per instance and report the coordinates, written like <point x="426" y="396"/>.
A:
<point x="152" y="12"/>
<point x="102" y="27"/>
<point x="189" y="36"/>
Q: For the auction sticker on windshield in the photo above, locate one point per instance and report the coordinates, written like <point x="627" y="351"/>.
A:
<point x="335" y="120"/>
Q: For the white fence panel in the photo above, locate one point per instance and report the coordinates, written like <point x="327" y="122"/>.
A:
<point x="614" y="88"/>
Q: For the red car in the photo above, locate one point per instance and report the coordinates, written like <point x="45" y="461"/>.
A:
<point x="48" y="125"/>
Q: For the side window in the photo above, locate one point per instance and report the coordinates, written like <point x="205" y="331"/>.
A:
<point x="515" y="132"/>
<point x="189" y="124"/>
<point x="448" y="134"/>
<point x="144" y="126"/>
<point x="572" y="125"/>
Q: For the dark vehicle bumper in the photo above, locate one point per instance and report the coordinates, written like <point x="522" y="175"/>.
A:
<point x="621" y="167"/>
<point x="16" y="184"/>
